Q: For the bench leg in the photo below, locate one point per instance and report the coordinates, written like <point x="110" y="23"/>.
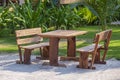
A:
<point x="103" y="58"/>
<point x="83" y="61"/>
<point x="20" y="56"/>
<point x="45" y="53"/>
<point x="27" y="54"/>
<point x="92" y="62"/>
<point x="97" y="58"/>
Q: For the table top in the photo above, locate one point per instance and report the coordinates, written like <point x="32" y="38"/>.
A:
<point x="62" y="33"/>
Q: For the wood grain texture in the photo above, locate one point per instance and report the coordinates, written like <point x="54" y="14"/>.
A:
<point x="95" y="49"/>
<point x="63" y="33"/>
<point x="28" y="32"/>
<point x="28" y="40"/>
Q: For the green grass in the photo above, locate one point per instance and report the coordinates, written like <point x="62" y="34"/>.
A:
<point x="8" y="45"/>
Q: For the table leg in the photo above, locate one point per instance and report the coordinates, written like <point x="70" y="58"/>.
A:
<point x="71" y="50"/>
<point x="54" y="51"/>
<point x="71" y="42"/>
<point x="53" y="54"/>
<point x="44" y="52"/>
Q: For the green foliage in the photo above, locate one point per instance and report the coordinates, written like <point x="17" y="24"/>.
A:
<point x="63" y="17"/>
<point x="6" y="21"/>
<point x="42" y="14"/>
<point x="26" y="15"/>
<point x="46" y="14"/>
<point x="86" y="15"/>
<point x="105" y="10"/>
<point x="5" y="32"/>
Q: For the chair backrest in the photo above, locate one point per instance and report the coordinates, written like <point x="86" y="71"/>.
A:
<point x="103" y="36"/>
<point x="28" y="36"/>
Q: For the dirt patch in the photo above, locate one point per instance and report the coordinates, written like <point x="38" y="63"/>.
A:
<point x="9" y="70"/>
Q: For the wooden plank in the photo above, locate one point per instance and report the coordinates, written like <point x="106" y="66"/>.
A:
<point x="29" y="40"/>
<point x="62" y="33"/>
<point x="33" y="46"/>
<point x="89" y="48"/>
<point x="104" y="34"/>
<point x="27" y="32"/>
<point x="64" y="58"/>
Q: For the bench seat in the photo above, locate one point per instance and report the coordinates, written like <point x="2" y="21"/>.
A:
<point x="88" y="49"/>
<point x="33" y="46"/>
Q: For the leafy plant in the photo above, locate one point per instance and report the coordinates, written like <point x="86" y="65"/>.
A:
<point x="104" y="10"/>
<point x="88" y="17"/>
<point x="26" y="15"/>
<point x="63" y="17"/>
<point x="6" y="22"/>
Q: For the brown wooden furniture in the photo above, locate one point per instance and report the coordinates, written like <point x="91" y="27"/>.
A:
<point x="104" y="48"/>
<point x="55" y="36"/>
<point x="29" y="40"/>
<point x="94" y="50"/>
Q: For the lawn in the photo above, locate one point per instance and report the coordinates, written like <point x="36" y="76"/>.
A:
<point x="8" y="44"/>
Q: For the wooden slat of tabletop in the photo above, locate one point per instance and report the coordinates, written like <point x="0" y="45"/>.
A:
<point x="63" y="33"/>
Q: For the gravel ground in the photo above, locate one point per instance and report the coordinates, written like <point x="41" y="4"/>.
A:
<point x="9" y="70"/>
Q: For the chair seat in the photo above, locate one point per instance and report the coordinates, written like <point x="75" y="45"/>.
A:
<point x="88" y="49"/>
<point x="32" y="46"/>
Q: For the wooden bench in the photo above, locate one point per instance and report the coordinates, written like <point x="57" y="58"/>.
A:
<point x="28" y="40"/>
<point x="94" y="50"/>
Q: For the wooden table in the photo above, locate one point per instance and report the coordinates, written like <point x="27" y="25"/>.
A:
<point x="55" y="36"/>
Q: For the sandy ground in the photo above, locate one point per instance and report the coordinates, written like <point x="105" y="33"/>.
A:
<point x="9" y="70"/>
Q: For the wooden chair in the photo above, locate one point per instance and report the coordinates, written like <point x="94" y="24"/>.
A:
<point x="28" y="40"/>
<point x="94" y="50"/>
<point x="106" y="40"/>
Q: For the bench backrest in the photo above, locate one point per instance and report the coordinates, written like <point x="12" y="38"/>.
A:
<point x="103" y="36"/>
<point x="27" y="36"/>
